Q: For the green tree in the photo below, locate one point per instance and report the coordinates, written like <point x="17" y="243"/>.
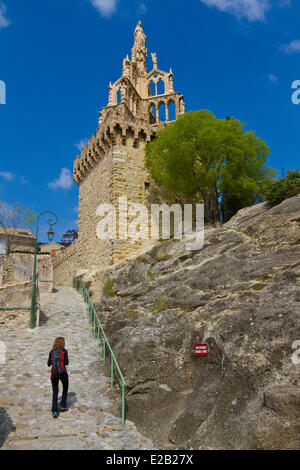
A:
<point x="277" y="190"/>
<point x="69" y="237"/>
<point x="213" y="159"/>
<point x="13" y="215"/>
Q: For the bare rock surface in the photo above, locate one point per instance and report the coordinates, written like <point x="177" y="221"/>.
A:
<point x="92" y="421"/>
<point x="240" y="294"/>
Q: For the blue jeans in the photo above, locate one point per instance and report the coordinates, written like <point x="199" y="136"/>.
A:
<point x="65" y="382"/>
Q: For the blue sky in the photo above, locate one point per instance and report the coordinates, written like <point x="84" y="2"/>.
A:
<point x="234" y="57"/>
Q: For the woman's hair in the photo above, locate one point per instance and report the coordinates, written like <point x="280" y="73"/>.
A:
<point x="59" y="343"/>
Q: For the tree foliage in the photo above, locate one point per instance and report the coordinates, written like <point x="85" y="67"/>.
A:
<point x="14" y="216"/>
<point x="69" y="237"/>
<point x="278" y="190"/>
<point x="213" y="159"/>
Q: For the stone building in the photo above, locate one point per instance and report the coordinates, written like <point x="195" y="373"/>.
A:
<point x="112" y="163"/>
<point x="17" y="266"/>
<point x="53" y="248"/>
<point x="19" y="239"/>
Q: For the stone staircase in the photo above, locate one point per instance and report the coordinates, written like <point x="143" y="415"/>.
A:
<point x="92" y="421"/>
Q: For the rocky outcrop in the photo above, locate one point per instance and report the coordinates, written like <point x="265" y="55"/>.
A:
<point x="240" y="294"/>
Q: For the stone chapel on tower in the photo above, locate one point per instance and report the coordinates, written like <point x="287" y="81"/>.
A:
<point x="111" y="164"/>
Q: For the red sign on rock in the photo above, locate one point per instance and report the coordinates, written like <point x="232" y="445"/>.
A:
<point x="201" y="350"/>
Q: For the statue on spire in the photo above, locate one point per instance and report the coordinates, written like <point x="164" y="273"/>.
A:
<point x="139" y="51"/>
<point x="154" y="60"/>
<point x="139" y="35"/>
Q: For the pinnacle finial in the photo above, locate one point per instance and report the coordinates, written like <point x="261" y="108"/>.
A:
<point x="139" y="27"/>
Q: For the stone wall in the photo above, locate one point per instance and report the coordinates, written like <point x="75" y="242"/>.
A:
<point x="2" y="258"/>
<point x="17" y="267"/>
<point x="119" y="173"/>
<point x="22" y="244"/>
<point x="45" y="272"/>
<point x="94" y="190"/>
<point x="65" y="266"/>
<point x="16" y="295"/>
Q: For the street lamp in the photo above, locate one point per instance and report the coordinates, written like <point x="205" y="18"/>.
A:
<point x="50" y="234"/>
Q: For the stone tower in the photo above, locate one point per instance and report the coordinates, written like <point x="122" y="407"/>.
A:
<point x="111" y="165"/>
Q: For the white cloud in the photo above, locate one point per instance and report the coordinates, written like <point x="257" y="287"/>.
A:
<point x="7" y="175"/>
<point x="291" y="48"/>
<point x="4" y="21"/>
<point x="64" y="180"/>
<point x="253" y="10"/>
<point x="105" y="7"/>
<point x="273" y="78"/>
<point x="142" y="8"/>
<point x="81" y="143"/>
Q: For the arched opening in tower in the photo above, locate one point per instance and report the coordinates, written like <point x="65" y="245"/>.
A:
<point x="119" y="96"/>
<point x="160" y="87"/>
<point x="162" y="112"/>
<point x="172" y="111"/>
<point x="152" y="88"/>
<point x="152" y="114"/>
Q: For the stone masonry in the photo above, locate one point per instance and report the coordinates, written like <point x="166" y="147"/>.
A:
<point x="112" y="163"/>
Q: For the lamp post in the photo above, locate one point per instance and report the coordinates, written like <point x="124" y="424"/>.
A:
<point x="50" y="234"/>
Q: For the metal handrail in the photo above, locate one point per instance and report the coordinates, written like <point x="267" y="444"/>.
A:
<point x="79" y="285"/>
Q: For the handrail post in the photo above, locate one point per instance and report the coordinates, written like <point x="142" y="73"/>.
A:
<point x="123" y="405"/>
<point x="104" y="348"/>
<point x="111" y="371"/>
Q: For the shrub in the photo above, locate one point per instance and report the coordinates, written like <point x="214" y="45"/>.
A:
<point x="108" y="287"/>
<point x="159" y="305"/>
<point x="131" y="314"/>
<point x="149" y="272"/>
<point x="277" y="191"/>
<point x="164" y="257"/>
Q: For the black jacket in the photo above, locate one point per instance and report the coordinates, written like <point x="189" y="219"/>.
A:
<point x="66" y="358"/>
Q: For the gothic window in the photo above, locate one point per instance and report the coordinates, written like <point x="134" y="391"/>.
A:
<point x="172" y="112"/>
<point x="152" y="117"/>
<point x="162" y="112"/>
<point x="160" y="87"/>
<point x="119" y="96"/>
<point x="152" y="88"/>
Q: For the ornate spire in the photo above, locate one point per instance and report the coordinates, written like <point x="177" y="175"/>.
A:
<point x="139" y="51"/>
